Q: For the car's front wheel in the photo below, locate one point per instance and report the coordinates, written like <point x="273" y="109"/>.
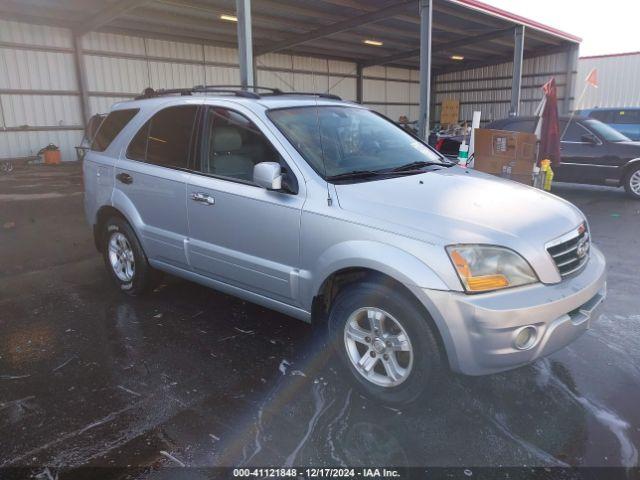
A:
<point x="386" y="342"/>
<point x="632" y="182"/>
<point x="125" y="259"/>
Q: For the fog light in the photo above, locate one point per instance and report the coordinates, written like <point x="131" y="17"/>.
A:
<point x="526" y="337"/>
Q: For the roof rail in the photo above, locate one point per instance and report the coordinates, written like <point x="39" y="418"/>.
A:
<point x="330" y="96"/>
<point x="236" y="90"/>
<point x="151" y="93"/>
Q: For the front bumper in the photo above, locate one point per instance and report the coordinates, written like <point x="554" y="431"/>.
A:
<point x="479" y="330"/>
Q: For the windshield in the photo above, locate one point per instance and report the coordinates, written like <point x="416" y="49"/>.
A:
<point x="352" y="140"/>
<point x="605" y="131"/>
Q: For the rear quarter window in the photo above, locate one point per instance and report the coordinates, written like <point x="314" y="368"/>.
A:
<point x="111" y="127"/>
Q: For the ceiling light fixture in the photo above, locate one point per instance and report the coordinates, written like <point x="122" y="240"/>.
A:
<point x="375" y="43"/>
<point x="457" y="57"/>
<point x="228" y="18"/>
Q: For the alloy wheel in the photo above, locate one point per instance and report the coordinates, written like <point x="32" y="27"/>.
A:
<point x="634" y="182"/>
<point x="121" y="257"/>
<point x="378" y="347"/>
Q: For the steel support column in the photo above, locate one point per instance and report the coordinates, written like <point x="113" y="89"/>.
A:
<point x="570" y="83"/>
<point x="81" y="77"/>
<point x="426" y="22"/>
<point x="516" y="82"/>
<point x="359" y="83"/>
<point x="245" y="42"/>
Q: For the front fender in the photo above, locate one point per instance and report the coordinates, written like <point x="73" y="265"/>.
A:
<point x="384" y="258"/>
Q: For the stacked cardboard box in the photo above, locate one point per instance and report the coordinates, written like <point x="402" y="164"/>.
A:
<point x="510" y="155"/>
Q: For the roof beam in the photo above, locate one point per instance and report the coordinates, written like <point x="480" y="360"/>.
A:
<point x="338" y="27"/>
<point x="443" y="46"/>
<point x="107" y="15"/>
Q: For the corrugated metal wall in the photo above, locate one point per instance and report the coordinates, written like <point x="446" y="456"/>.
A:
<point x="618" y="81"/>
<point x="39" y="99"/>
<point x="392" y="91"/>
<point x="489" y="88"/>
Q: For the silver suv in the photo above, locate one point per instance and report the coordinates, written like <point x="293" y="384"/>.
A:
<point x="328" y="212"/>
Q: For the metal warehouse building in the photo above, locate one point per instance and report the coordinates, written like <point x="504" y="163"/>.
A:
<point x="617" y="78"/>
<point x="63" y="60"/>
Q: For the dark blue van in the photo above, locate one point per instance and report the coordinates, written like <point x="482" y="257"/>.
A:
<point x="625" y="120"/>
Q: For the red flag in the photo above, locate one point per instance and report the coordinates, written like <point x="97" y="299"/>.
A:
<point x="592" y="78"/>
<point x="550" y="131"/>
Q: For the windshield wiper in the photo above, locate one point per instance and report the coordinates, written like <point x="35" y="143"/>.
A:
<point x="356" y="174"/>
<point x="417" y="165"/>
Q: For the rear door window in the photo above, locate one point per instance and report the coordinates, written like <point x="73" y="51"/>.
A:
<point x="111" y="127"/>
<point x="627" y="117"/>
<point x="166" y="139"/>
<point x="604" y="116"/>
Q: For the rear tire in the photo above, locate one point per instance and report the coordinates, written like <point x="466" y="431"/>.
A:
<point x="125" y="259"/>
<point x="386" y="343"/>
<point x="632" y="182"/>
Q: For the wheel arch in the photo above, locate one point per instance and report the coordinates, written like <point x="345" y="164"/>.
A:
<point x="630" y="165"/>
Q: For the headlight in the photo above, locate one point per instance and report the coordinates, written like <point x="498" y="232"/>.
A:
<point x="482" y="268"/>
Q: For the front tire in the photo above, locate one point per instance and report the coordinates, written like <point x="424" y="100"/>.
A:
<point x="125" y="259"/>
<point x="632" y="182"/>
<point x="386" y="343"/>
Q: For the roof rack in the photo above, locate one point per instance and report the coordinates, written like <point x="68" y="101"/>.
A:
<point x="236" y="90"/>
<point x="330" y="96"/>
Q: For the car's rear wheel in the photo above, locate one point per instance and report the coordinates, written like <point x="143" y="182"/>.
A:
<point x="125" y="259"/>
<point x="386" y="342"/>
<point x="632" y="182"/>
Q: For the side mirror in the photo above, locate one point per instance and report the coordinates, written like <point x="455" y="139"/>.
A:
<point x="268" y="175"/>
<point x="590" y="138"/>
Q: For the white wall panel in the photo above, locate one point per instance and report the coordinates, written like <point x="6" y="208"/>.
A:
<point x="40" y="110"/>
<point x="488" y="89"/>
<point x="26" y="144"/>
<point x="307" y="82"/>
<point x="275" y="60"/>
<point x="374" y="90"/>
<point x="107" y="74"/>
<point x="220" y="54"/>
<point x="222" y="75"/>
<point x="393" y="73"/>
<point x="175" y="75"/>
<point x="310" y="64"/>
<point x="281" y="80"/>
<point x="344" y="87"/>
<point x="110" y="42"/>
<point x="33" y="70"/>
<point x="16" y="32"/>
<point x="375" y="71"/>
<point x="347" y="68"/>
<point x="104" y="104"/>
<point x="618" y="81"/>
<point x="177" y="50"/>
<point x="397" y="92"/>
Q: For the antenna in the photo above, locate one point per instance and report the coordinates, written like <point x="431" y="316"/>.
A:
<point x="324" y="165"/>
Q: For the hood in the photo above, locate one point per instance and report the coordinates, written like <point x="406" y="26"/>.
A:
<point x="454" y="205"/>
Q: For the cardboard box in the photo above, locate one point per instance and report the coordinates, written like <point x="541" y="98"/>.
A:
<point x="506" y="154"/>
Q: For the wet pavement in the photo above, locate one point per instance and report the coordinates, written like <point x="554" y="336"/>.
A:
<point x="189" y="376"/>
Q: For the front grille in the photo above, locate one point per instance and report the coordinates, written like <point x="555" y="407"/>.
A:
<point x="571" y="251"/>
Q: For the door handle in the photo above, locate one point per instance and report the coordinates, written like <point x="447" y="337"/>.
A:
<point x="203" y="198"/>
<point x="124" y="178"/>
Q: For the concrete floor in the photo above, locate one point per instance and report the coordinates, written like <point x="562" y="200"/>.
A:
<point x="89" y="376"/>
